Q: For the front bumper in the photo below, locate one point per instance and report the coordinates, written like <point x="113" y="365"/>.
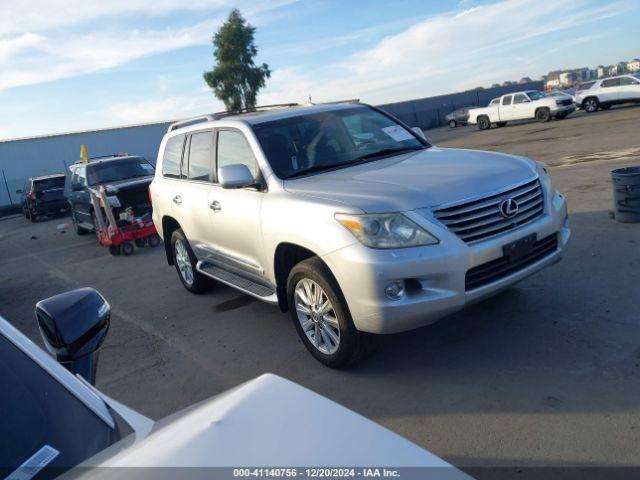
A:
<point x="563" y="109"/>
<point x="435" y="273"/>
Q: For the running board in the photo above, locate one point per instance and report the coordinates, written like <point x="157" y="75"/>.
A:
<point x="238" y="282"/>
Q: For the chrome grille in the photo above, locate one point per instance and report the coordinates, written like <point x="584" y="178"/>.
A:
<point x="481" y="218"/>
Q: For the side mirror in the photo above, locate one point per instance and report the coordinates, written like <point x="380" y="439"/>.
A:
<point x="420" y="133"/>
<point x="19" y="191"/>
<point x="237" y="175"/>
<point x="76" y="187"/>
<point x="73" y="326"/>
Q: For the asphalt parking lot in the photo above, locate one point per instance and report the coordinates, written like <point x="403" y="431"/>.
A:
<point x="546" y="373"/>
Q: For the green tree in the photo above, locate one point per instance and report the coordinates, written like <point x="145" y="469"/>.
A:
<point x="235" y="78"/>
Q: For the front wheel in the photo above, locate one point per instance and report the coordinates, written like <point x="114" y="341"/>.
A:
<point x="452" y="124"/>
<point x="590" y="105"/>
<point x="185" y="262"/>
<point x="484" y="123"/>
<point x="321" y="316"/>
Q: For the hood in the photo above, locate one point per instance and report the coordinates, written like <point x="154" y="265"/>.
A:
<point x="419" y="179"/>
<point x="127" y="183"/>
<point x="270" y="421"/>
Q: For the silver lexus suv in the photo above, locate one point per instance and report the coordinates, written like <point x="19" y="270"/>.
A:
<point x="348" y="219"/>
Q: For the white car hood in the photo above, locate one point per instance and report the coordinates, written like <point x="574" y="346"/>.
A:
<point x="421" y="179"/>
<point x="266" y="422"/>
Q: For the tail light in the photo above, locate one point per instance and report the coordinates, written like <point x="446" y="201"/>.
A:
<point x="31" y="196"/>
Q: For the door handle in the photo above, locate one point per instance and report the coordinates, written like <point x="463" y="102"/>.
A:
<point x="177" y="200"/>
<point x="215" y="206"/>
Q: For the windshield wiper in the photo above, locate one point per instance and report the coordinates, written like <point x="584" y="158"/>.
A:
<point x="317" y="168"/>
<point x="387" y="151"/>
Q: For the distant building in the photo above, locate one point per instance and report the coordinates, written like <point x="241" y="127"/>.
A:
<point x="634" y="65"/>
<point x="525" y="80"/>
<point x="495" y="85"/>
<point x="601" y="71"/>
<point x="507" y="83"/>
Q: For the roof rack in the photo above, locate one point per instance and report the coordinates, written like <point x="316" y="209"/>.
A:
<point x="218" y="115"/>
<point x="113" y="155"/>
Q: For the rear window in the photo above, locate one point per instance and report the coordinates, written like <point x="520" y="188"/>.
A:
<point x="585" y="86"/>
<point x="48" y="183"/>
<point x="172" y="157"/>
<point x="114" y="170"/>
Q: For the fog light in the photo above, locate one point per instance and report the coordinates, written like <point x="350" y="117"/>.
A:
<point x="394" y="290"/>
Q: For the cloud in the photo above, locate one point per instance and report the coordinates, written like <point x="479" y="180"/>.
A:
<point x="41" y="41"/>
<point x="463" y="46"/>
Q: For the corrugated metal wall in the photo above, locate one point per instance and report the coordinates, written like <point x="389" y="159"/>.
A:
<point x="21" y="159"/>
<point x="430" y="112"/>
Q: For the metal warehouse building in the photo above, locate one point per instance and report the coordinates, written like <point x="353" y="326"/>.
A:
<point x="27" y="157"/>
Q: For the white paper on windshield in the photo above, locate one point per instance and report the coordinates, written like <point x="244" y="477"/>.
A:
<point x="34" y="464"/>
<point x="398" y="133"/>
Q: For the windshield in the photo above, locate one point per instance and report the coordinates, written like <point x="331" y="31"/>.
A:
<point x="112" y="171"/>
<point x="48" y="183"/>
<point x="39" y="415"/>
<point x="535" y="95"/>
<point x="323" y="141"/>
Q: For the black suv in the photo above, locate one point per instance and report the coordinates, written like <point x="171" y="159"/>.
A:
<point x="42" y="196"/>
<point x="125" y="178"/>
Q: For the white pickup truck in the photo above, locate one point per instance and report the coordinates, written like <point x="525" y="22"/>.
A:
<point x="530" y="104"/>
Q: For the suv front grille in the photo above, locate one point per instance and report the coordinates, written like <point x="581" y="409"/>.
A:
<point x="481" y="218"/>
<point x="502" y="267"/>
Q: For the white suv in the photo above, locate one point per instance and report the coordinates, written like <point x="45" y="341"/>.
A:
<point x="606" y="92"/>
<point x="349" y="219"/>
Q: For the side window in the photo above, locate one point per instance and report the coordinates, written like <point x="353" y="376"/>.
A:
<point x="172" y="157"/>
<point x="233" y="148"/>
<point x="201" y="157"/>
<point x="624" y="81"/>
<point x="506" y="100"/>
<point x="611" y="82"/>
<point x="586" y="86"/>
<point x="520" y="98"/>
<point x="81" y="176"/>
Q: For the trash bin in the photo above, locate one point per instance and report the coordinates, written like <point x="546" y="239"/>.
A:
<point x="626" y="194"/>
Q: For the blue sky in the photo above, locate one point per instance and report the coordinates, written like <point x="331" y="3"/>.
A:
<point x="81" y="64"/>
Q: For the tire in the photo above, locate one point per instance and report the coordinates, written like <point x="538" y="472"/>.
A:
<point x="153" y="240"/>
<point x="484" y="123"/>
<point x="590" y="105"/>
<point x="501" y="124"/>
<point x="452" y="124"/>
<point x="339" y="343"/>
<point x="115" y="249"/>
<point x="77" y="228"/>
<point x="185" y="263"/>
<point x="25" y="212"/>
<point x="606" y="106"/>
<point x="127" y="248"/>
<point x="543" y="115"/>
<point x="140" y="242"/>
<point x="33" y="216"/>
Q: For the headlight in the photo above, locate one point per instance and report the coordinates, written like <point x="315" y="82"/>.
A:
<point x="386" y="230"/>
<point x="545" y="178"/>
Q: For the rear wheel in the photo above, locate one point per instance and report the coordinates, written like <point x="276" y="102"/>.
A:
<point x="321" y="316"/>
<point x="185" y="262"/>
<point x="452" y="124"/>
<point x="484" y="123"/>
<point x="127" y="248"/>
<point x="590" y="105"/>
<point x="543" y="115"/>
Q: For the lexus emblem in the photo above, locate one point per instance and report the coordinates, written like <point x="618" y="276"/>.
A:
<point x="509" y="208"/>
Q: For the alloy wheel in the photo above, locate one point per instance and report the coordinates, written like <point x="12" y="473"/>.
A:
<point x="317" y="316"/>
<point x="184" y="262"/>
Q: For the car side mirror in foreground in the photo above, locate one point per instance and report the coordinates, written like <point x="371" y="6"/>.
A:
<point x="73" y="326"/>
<point x="420" y="133"/>
<point x="237" y="175"/>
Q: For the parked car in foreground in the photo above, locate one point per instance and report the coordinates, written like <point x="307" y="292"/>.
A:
<point x="527" y="105"/>
<point x="125" y="178"/>
<point x="349" y="219"/>
<point x="54" y="420"/>
<point x="458" y="117"/>
<point x="606" y="92"/>
<point x="43" y="196"/>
